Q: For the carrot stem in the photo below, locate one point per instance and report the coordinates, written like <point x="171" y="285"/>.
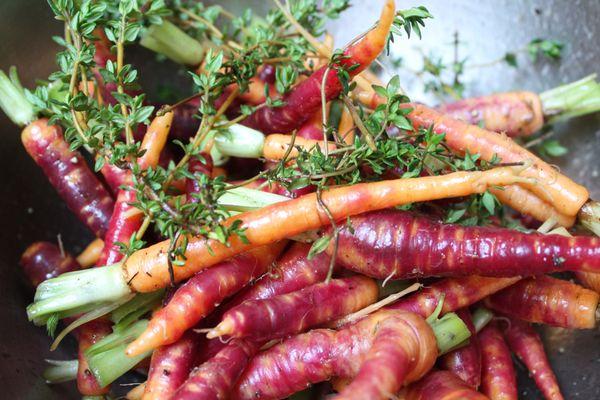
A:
<point x="481" y="317"/>
<point x="60" y="371"/>
<point x="240" y="141"/>
<point x="173" y="43"/>
<point x="572" y="99"/>
<point x="12" y="99"/>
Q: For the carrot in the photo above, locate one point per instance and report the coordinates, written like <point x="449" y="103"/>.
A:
<point x="404" y="245"/>
<point x="589" y="280"/>
<point x="44" y="260"/>
<point x="68" y="172"/>
<point x="202" y="294"/>
<point x="292" y="272"/>
<point x="215" y="378"/>
<point x="88" y="334"/>
<point x="498" y="379"/>
<point x="465" y="362"/>
<point x="170" y="366"/>
<point x="548" y="300"/>
<point x="286" y="314"/>
<point x="147" y="269"/>
<point x="113" y="176"/>
<point x="346" y="126"/>
<point x="457" y="293"/>
<point x="527" y="203"/>
<point x="551" y="186"/>
<point x="403" y="350"/>
<point x="305" y="99"/>
<point x="198" y="167"/>
<point x="525" y="342"/>
<point x="524" y="113"/>
<point x="514" y="113"/>
<point x="276" y="146"/>
<point x="441" y="385"/>
<point x="126" y="218"/>
<point x="565" y="195"/>
<point x="321" y="354"/>
<point x="90" y="255"/>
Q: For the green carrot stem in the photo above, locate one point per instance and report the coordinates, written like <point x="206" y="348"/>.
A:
<point x="450" y="332"/>
<point x="60" y="371"/>
<point x="13" y="100"/>
<point x="107" y="359"/>
<point x="139" y="305"/>
<point x="481" y="317"/>
<point x="170" y="41"/>
<point x="81" y="290"/>
<point x="571" y="100"/>
<point x="240" y="141"/>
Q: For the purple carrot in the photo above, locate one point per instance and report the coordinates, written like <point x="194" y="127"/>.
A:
<point x="68" y="172"/>
<point x="549" y="301"/>
<point x="402" y="245"/>
<point x="44" y="260"/>
<point x="215" y="378"/>
<point x="525" y="342"/>
<point x="170" y="366"/>
<point x="498" y="377"/>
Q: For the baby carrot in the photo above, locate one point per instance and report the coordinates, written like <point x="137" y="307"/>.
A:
<point x="525" y="342"/>
<point x="44" y="260"/>
<point x="498" y="379"/>
<point x="548" y="300"/>
<point x="442" y="385"/>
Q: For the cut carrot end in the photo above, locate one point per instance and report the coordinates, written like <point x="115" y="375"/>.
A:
<point x="224" y="328"/>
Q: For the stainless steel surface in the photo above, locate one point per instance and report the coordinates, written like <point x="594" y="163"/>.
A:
<point x="30" y="210"/>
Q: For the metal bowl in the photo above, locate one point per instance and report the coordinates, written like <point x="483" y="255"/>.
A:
<point x="30" y="209"/>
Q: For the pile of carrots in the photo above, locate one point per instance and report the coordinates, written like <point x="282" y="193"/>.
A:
<point x="259" y="318"/>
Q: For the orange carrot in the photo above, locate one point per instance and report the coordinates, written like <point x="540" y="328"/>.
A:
<point x="147" y="269"/>
<point x="276" y="146"/>
<point x="558" y="190"/>
<point x="90" y="255"/>
<point x="442" y="385"/>
<point x="201" y="295"/>
<point x="346" y="126"/>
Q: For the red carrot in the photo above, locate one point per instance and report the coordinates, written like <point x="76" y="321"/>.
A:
<point x="44" y="260"/>
<point x="465" y="362"/>
<point x="456" y="292"/>
<point x="320" y="354"/>
<point x="548" y="300"/>
<point x="215" y="378"/>
<point x="279" y="316"/>
<point x="185" y="124"/>
<point x="202" y="294"/>
<point x="305" y="99"/>
<point x="68" y="172"/>
<point x="313" y="127"/>
<point x="441" y="385"/>
<point x="515" y="113"/>
<point x="403" y="245"/>
<point x="525" y="342"/>
<point x="498" y="379"/>
<point x="403" y="350"/>
<point x="170" y="366"/>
